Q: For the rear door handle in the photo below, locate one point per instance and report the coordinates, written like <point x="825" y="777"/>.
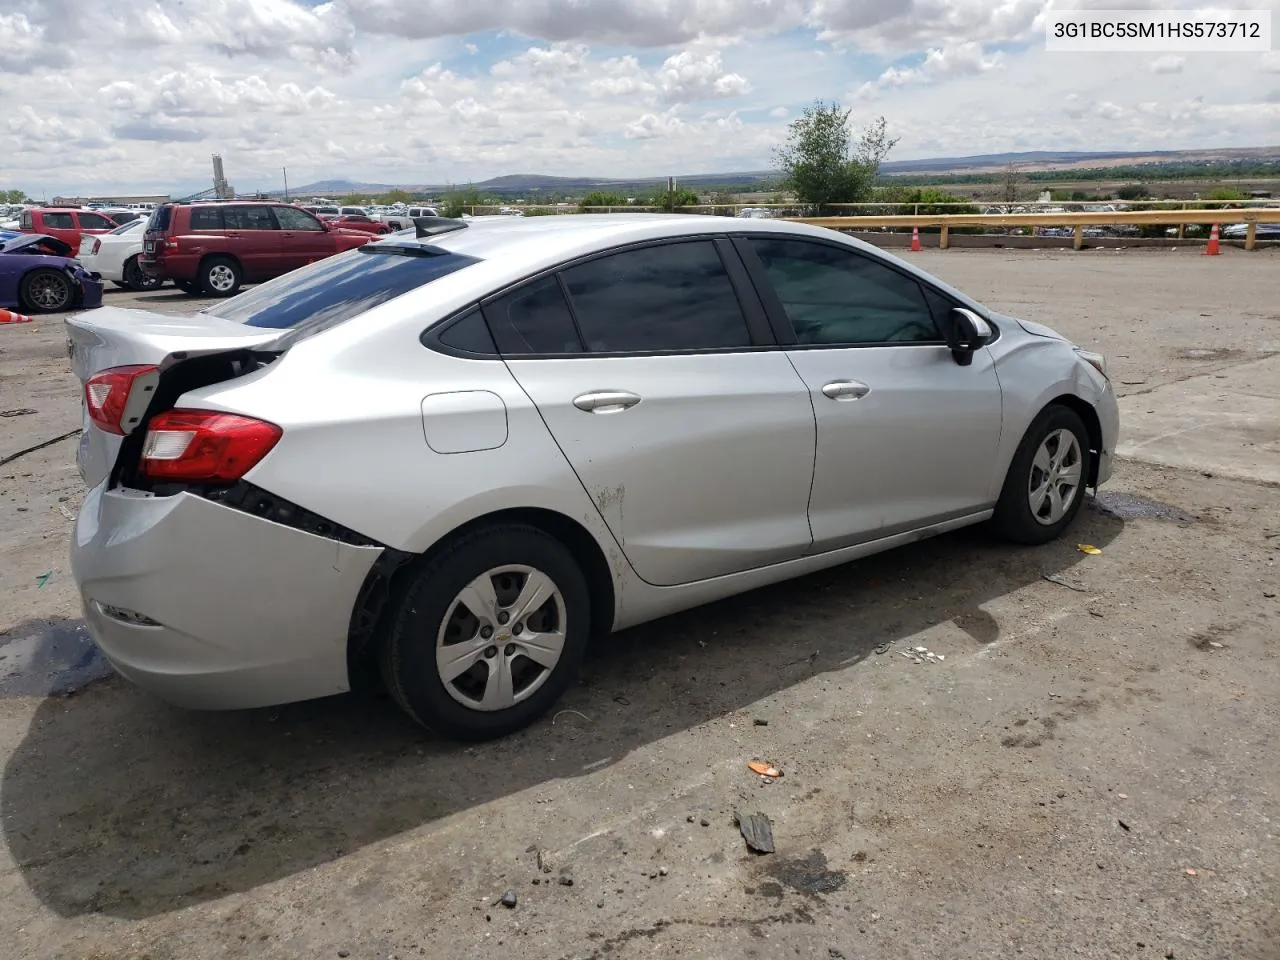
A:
<point x="606" y="401"/>
<point x="845" y="390"/>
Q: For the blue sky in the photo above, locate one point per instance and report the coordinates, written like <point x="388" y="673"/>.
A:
<point x="116" y="95"/>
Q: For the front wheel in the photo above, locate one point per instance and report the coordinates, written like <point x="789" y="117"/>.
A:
<point x="1045" y="485"/>
<point x="488" y="633"/>
<point x="45" y="291"/>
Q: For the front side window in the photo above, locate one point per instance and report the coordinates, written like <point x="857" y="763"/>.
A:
<point x="671" y="297"/>
<point x="59" y="221"/>
<point x="95" y="221"/>
<point x="293" y="219"/>
<point x="836" y="296"/>
<point x="533" y="319"/>
<point x="248" y="218"/>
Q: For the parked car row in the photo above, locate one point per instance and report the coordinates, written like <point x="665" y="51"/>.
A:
<point x="213" y="248"/>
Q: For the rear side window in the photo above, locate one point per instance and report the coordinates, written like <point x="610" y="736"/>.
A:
<point x="59" y="221"/>
<point x="335" y="289"/>
<point x="248" y="218"/>
<point x="533" y="319"/>
<point x="672" y="297"/>
<point x="25" y="221"/>
<point x="206" y="218"/>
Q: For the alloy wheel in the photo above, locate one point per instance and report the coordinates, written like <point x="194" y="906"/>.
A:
<point x="1056" y="475"/>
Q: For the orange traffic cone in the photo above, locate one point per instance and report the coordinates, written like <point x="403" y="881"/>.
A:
<point x="1211" y="249"/>
<point x="915" y="239"/>
<point x="8" y="316"/>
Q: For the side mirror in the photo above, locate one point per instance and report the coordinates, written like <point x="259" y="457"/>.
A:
<point x="968" y="333"/>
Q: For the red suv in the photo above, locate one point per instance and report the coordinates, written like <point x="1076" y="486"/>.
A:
<point x="65" y="223"/>
<point x="212" y="248"/>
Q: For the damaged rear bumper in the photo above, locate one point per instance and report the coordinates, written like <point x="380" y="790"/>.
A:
<point x="211" y="607"/>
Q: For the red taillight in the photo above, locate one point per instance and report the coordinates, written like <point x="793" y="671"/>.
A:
<point x="204" y="446"/>
<point x="170" y="245"/>
<point x="106" y="395"/>
<point x="94" y="246"/>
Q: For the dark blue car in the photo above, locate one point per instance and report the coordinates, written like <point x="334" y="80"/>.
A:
<point x="40" y="274"/>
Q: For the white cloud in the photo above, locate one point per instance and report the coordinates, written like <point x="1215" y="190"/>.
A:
<point x="1169" y="63"/>
<point x="434" y="91"/>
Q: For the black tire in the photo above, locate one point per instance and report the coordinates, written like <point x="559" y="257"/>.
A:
<point x="220" y="276"/>
<point x="46" y="290"/>
<point x="186" y="286"/>
<point x="121" y="284"/>
<point x="138" y="281"/>
<point x="408" y="653"/>
<point x="1014" y="518"/>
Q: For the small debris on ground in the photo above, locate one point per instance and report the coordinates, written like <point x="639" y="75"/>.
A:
<point x="884" y="647"/>
<point x="575" y="713"/>
<point x="757" y="830"/>
<point x="760" y="723"/>
<point x="662" y="871"/>
<point x="1060" y="581"/>
<point x="764" y="769"/>
<point x="1269" y="594"/>
<point x="1088" y="548"/>
<point x="922" y="655"/>
<point x="1123" y="826"/>
<point x="20" y="412"/>
<point x="704" y="822"/>
<point x="44" y="578"/>
<point x="509" y="900"/>
<point x="1191" y="872"/>
<point x="566" y="877"/>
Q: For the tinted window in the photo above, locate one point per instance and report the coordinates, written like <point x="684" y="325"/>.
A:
<point x="291" y="219"/>
<point x="332" y="290"/>
<point x="160" y="218"/>
<point x="248" y="218"/>
<point x="469" y="334"/>
<point x="671" y="297"/>
<point x="833" y="295"/>
<point x="95" y="221"/>
<point x="24" y="221"/>
<point x="206" y="218"/>
<point x="533" y="319"/>
<point x="127" y="227"/>
<point x="59" y="221"/>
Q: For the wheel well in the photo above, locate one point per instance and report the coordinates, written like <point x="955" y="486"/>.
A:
<point x="370" y="616"/>
<point x="219" y="256"/>
<point x="1092" y="424"/>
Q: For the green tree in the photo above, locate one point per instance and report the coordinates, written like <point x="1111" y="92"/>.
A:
<point x="821" y="162"/>
<point x="13" y="196"/>
<point x="671" y="202"/>
<point x="1133" y="191"/>
<point x="458" y="202"/>
<point x="396" y="196"/>
<point x="599" y="198"/>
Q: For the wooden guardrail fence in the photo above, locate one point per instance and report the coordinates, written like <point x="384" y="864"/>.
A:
<point x="944" y="221"/>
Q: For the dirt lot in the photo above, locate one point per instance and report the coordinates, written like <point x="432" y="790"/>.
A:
<point x="1092" y="771"/>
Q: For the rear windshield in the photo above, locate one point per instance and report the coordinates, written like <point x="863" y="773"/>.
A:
<point x="160" y="218"/>
<point x="335" y="289"/>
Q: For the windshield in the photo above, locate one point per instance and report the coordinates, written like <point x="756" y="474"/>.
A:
<point x="335" y="289"/>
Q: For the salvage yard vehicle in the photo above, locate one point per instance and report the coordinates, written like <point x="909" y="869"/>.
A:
<point x="68" y="224"/>
<point x="40" y="274"/>
<point x="467" y="452"/>
<point x="114" y="256"/>
<point x="213" y="248"/>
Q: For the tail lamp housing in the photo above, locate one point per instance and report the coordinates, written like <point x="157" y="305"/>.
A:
<point x="205" y="446"/>
<point x="108" y="395"/>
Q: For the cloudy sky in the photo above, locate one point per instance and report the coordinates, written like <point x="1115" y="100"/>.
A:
<point x="116" y="95"/>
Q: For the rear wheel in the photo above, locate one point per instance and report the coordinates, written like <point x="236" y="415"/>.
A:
<point x="135" y="279"/>
<point x="220" y="276"/>
<point x="488" y="633"/>
<point x="45" y="291"/>
<point x="1045" y="485"/>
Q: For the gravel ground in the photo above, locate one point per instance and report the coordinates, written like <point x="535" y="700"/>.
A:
<point x="1092" y="770"/>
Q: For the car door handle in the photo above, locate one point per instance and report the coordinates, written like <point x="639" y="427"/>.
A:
<point x="606" y="401"/>
<point x="845" y="390"/>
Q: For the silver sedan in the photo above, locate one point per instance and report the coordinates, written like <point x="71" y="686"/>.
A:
<point x="468" y="450"/>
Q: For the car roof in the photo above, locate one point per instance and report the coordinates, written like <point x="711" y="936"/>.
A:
<point x="532" y="242"/>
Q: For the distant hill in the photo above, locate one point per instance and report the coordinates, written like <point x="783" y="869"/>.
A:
<point x="522" y="184"/>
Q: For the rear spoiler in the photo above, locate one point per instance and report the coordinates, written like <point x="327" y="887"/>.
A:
<point x="434" y="226"/>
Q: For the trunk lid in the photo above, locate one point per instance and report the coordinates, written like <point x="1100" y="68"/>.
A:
<point x="115" y="336"/>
